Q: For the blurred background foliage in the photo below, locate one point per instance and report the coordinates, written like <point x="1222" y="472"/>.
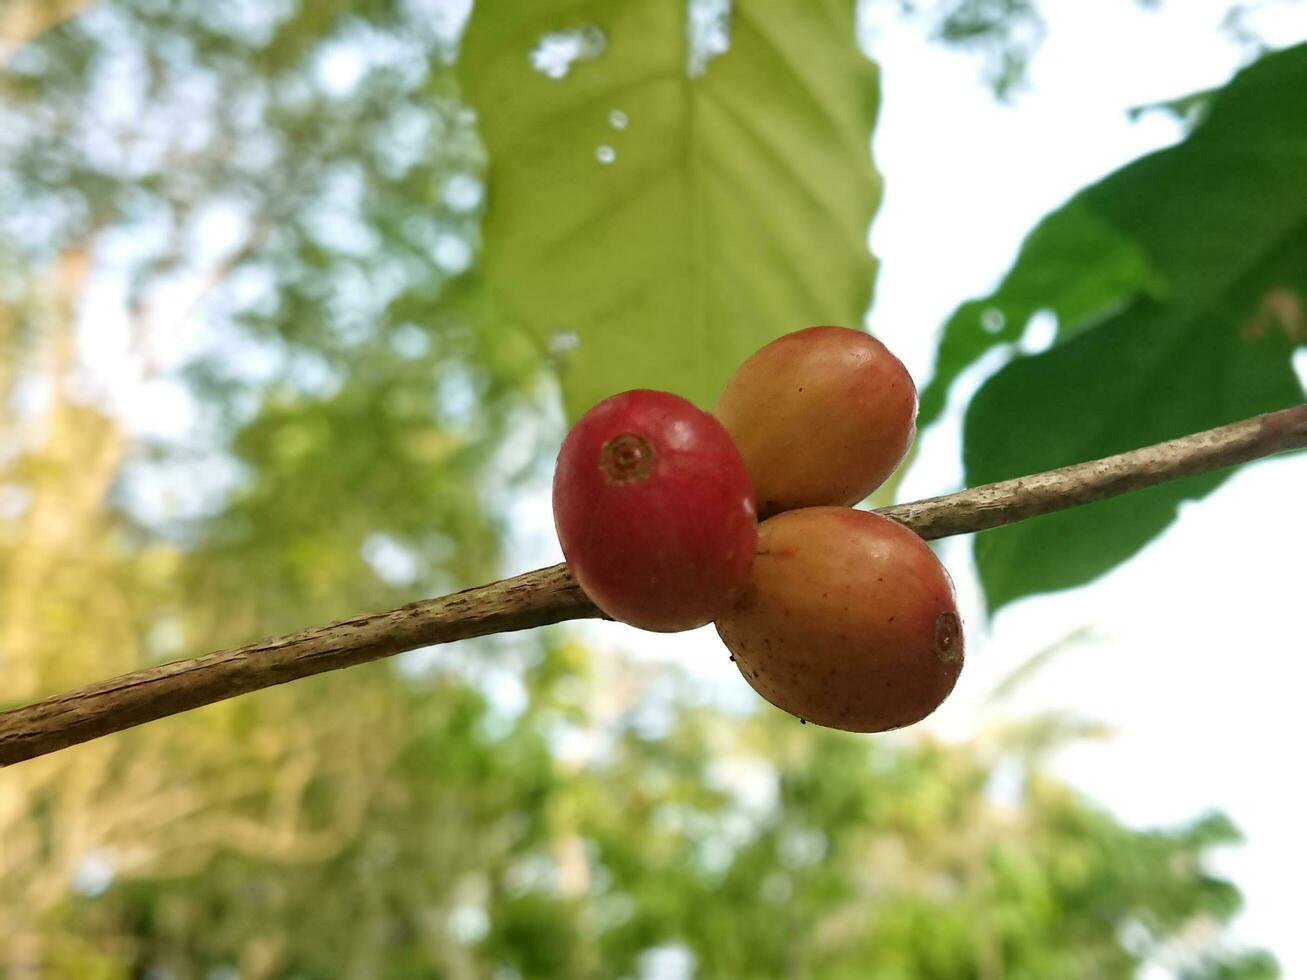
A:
<point x="254" y="374"/>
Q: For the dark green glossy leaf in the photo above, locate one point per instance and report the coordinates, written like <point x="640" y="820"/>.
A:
<point x="1140" y="378"/>
<point x="1178" y="283"/>
<point x="1074" y="265"/>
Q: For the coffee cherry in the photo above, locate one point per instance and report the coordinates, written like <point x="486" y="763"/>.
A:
<point x="849" y="621"/>
<point x="654" y="511"/>
<point x="821" y="416"/>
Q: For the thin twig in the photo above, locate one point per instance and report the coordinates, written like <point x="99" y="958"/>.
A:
<point x="551" y="595"/>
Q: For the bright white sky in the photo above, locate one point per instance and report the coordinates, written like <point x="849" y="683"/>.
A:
<point x="1196" y="656"/>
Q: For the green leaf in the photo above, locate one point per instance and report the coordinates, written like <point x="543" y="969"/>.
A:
<point x="735" y="207"/>
<point x="1186" y="109"/>
<point x="1074" y="265"/>
<point x="1138" y="379"/>
<point x="1205" y="338"/>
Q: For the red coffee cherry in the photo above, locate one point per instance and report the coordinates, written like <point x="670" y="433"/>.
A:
<point x="655" y="511"/>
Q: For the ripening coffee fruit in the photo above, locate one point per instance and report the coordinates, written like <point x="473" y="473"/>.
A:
<point x="822" y="416"/>
<point x="655" y="511"/>
<point x="849" y="621"/>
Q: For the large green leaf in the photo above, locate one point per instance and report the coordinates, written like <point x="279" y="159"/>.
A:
<point x="1179" y="286"/>
<point x="734" y="205"/>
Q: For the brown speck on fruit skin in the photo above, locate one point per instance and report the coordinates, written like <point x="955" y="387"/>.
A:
<point x="948" y="631"/>
<point x="627" y="458"/>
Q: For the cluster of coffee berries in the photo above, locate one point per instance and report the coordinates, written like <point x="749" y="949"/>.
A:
<point x="839" y="616"/>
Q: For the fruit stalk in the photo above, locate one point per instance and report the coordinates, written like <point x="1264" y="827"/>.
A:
<point x="550" y="595"/>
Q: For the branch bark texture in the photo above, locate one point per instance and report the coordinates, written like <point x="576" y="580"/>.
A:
<point x="551" y="595"/>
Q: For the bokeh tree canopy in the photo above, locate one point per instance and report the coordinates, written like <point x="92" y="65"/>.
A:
<point x="295" y="298"/>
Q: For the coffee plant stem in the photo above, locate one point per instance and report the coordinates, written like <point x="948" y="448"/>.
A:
<point x="550" y="595"/>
